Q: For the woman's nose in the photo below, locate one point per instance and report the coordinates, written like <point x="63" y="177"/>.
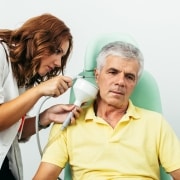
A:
<point x="57" y="62"/>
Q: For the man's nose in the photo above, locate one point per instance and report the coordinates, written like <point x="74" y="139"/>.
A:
<point x="121" y="79"/>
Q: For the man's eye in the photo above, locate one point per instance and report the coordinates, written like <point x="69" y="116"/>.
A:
<point x="113" y="72"/>
<point x="130" y="77"/>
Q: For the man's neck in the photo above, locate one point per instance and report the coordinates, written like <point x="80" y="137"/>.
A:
<point x="112" y="115"/>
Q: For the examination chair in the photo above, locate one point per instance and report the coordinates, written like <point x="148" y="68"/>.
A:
<point x="146" y="93"/>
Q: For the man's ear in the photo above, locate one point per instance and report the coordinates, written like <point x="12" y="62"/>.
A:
<point x="96" y="73"/>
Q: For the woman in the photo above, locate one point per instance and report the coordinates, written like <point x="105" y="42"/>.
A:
<point x="32" y="60"/>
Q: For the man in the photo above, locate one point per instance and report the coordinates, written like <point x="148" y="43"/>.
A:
<point x="113" y="139"/>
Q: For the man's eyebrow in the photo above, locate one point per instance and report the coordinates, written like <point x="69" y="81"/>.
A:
<point x="114" y="69"/>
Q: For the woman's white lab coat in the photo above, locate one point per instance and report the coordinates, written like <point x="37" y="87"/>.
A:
<point x="8" y="138"/>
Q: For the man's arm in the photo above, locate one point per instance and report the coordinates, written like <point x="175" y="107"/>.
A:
<point x="175" y="174"/>
<point x="47" y="171"/>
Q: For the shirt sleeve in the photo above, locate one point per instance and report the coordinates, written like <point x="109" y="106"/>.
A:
<point x="3" y="71"/>
<point x="55" y="151"/>
<point x="169" y="150"/>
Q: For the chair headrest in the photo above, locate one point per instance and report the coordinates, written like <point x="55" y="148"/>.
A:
<point x="96" y="44"/>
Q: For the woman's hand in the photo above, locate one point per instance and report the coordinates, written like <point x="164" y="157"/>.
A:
<point x="58" y="114"/>
<point x="55" y="86"/>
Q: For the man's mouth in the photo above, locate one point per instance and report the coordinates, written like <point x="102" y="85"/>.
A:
<point x="118" y="92"/>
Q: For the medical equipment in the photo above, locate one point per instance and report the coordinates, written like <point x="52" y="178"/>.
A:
<point x="84" y="91"/>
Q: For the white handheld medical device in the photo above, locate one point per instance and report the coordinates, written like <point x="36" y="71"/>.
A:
<point x="83" y="91"/>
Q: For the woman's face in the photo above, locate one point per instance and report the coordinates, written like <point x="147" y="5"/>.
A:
<point x="48" y="63"/>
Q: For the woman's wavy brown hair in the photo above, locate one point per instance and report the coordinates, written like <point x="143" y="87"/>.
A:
<point x="38" y="37"/>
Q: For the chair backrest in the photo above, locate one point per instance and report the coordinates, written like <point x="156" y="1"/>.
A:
<point x="146" y="93"/>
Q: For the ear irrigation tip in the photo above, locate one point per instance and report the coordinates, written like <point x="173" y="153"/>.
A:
<point x="76" y="77"/>
<point x="80" y="76"/>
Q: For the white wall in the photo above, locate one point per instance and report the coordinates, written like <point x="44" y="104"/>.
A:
<point x="154" y="24"/>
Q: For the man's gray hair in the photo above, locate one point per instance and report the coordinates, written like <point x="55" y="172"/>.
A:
<point x="121" y="49"/>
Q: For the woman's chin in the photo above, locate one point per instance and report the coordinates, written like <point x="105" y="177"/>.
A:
<point x="42" y="73"/>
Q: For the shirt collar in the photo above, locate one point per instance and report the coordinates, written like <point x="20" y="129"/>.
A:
<point x="132" y="112"/>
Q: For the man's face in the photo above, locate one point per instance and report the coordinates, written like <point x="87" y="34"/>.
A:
<point x="116" y="80"/>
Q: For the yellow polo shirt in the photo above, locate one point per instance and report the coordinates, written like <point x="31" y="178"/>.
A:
<point x="132" y="150"/>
